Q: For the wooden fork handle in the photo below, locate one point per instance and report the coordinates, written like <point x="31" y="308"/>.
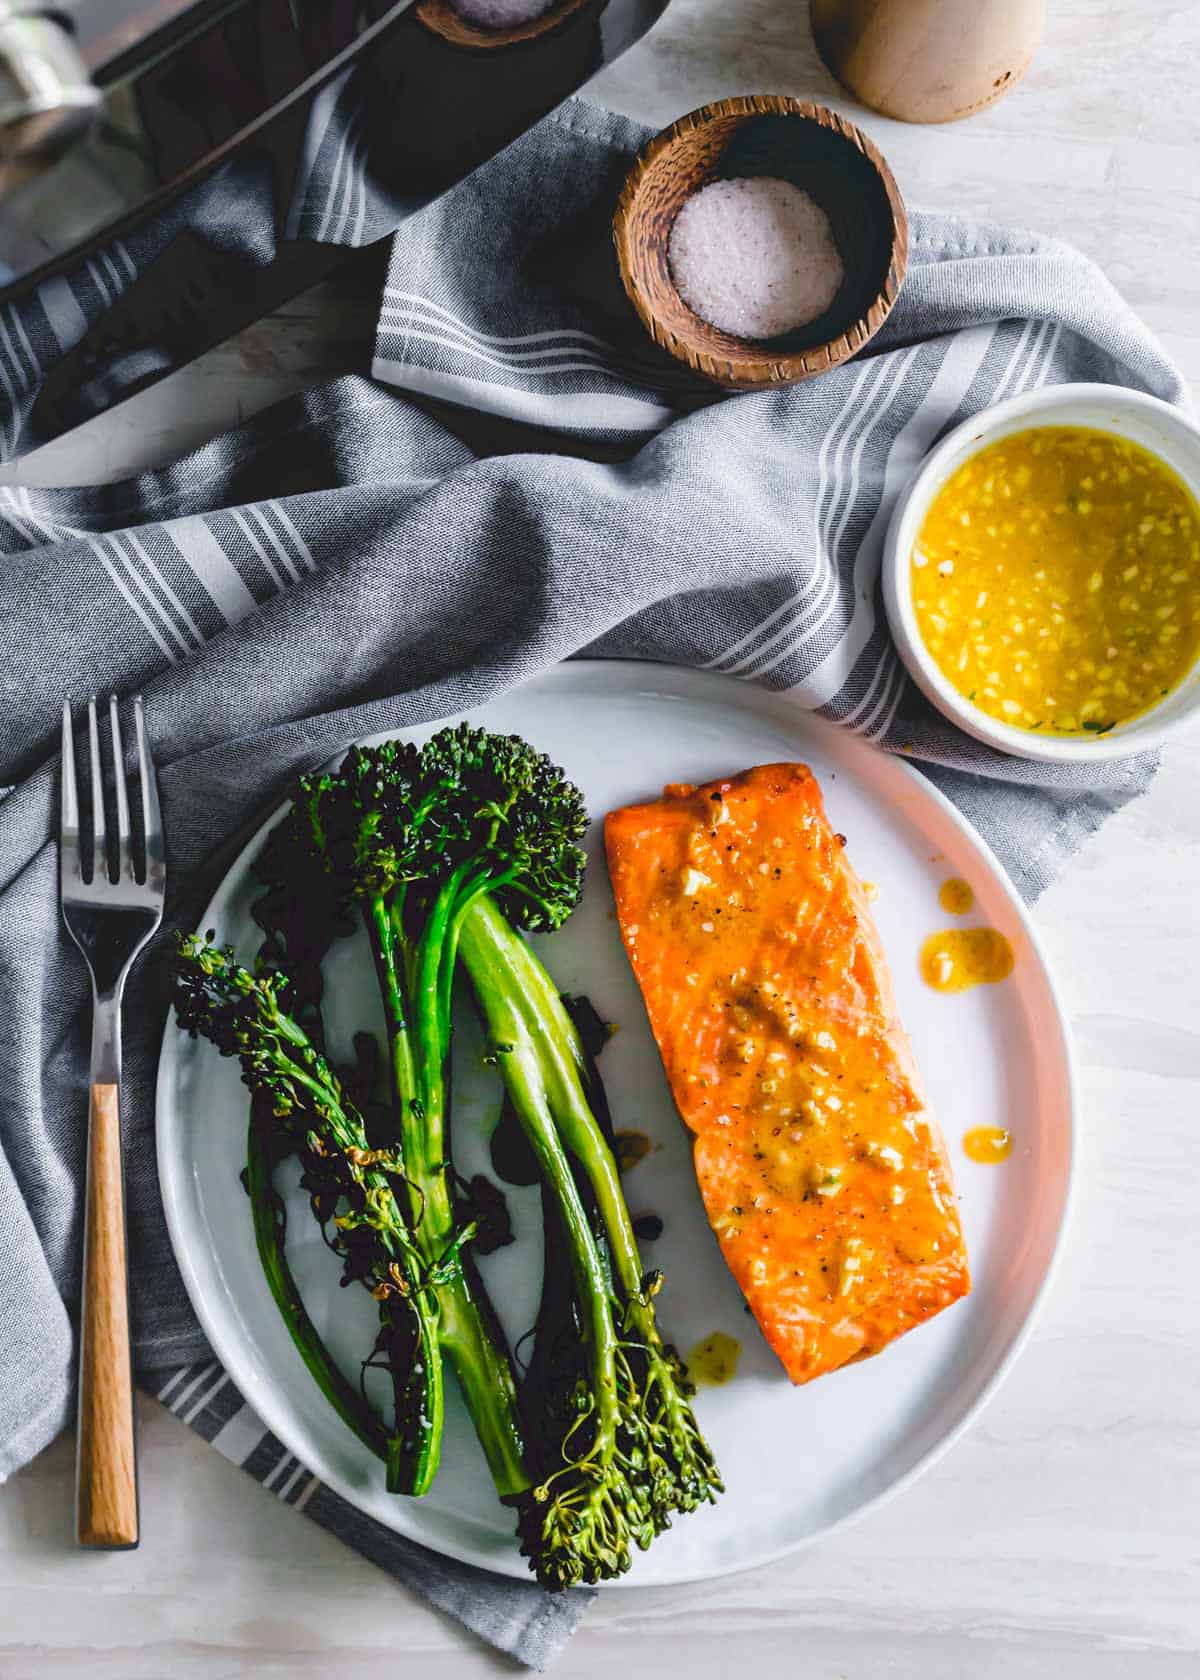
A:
<point x="106" y="1502"/>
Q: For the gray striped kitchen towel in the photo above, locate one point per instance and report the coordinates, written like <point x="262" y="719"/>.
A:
<point x="350" y="562"/>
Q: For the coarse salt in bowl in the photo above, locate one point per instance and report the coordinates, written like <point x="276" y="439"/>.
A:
<point x="488" y="26"/>
<point x="750" y="285"/>
<point x="755" y="257"/>
<point x="501" y="14"/>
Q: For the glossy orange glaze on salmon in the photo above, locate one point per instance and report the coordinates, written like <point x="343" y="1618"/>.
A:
<point x="823" y="1172"/>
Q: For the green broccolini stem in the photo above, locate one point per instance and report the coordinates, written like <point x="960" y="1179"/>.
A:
<point x="382" y="935"/>
<point x="470" y="886"/>
<point x="678" y="1472"/>
<point x="433" y="976"/>
<point x="474" y="1345"/>
<point x="560" y="1056"/>
<point x="466" y="1332"/>
<point x="270" y="1223"/>
<point x="490" y="951"/>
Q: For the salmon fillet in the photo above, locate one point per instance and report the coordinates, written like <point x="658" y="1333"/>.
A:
<point x="824" y="1175"/>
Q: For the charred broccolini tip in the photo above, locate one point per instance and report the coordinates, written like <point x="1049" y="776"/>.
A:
<point x="246" y="1017"/>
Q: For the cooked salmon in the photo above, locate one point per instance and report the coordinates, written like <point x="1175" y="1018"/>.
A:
<point x="823" y="1173"/>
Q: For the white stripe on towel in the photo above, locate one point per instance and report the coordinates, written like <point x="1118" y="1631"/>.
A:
<point x="133" y="604"/>
<point x="61" y="308"/>
<point x="215" y="571"/>
<point x="271" y="535"/>
<point x="208" y="1395"/>
<point x="577" y="411"/>
<point x="885" y="722"/>
<point x="592" y="365"/>
<point x="440" y="332"/>
<point x="284" y="1465"/>
<point x="282" y="1492"/>
<point x="153" y="575"/>
<point x="821" y="573"/>
<point x="787" y="632"/>
<point x="316" y="129"/>
<point x="306" y="557"/>
<point x="243" y="525"/>
<point x="198" y="1377"/>
<point x="336" y="179"/>
<point x="240" y="1435"/>
<point x="172" y="1380"/>
<point x="495" y="339"/>
<point x="304" y="1498"/>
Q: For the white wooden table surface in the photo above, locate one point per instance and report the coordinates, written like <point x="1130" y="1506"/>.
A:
<point x="1061" y="1539"/>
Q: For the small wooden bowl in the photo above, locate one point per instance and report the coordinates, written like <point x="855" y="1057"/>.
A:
<point x="816" y="150"/>
<point x="440" y="18"/>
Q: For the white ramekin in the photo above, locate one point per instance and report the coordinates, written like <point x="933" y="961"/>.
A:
<point x="1164" y="431"/>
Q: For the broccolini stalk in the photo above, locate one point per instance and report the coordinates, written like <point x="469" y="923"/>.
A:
<point x="635" y="1456"/>
<point x="245" y="1016"/>
<point x="270" y="1227"/>
<point x="374" y="833"/>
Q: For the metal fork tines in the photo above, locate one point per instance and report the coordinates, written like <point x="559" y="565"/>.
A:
<point x="112" y="902"/>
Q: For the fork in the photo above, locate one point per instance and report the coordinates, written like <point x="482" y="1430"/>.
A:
<point x="111" y="908"/>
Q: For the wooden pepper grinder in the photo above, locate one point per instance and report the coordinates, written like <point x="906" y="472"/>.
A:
<point x="928" y="61"/>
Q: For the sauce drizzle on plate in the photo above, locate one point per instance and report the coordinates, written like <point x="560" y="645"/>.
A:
<point x="955" y="959"/>
<point x="989" y="1145"/>
<point x="955" y="897"/>
<point x="714" y="1360"/>
<point x="630" y="1147"/>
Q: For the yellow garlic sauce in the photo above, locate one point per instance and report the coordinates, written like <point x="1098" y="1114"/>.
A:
<point x="714" y="1360"/>
<point x="630" y="1148"/>
<point x="956" y="959"/>
<point x="1056" y="580"/>
<point x="955" y="897"/>
<point x="989" y="1145"/>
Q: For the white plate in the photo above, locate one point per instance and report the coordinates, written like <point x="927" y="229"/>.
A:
<point x="796" y="1462"/>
